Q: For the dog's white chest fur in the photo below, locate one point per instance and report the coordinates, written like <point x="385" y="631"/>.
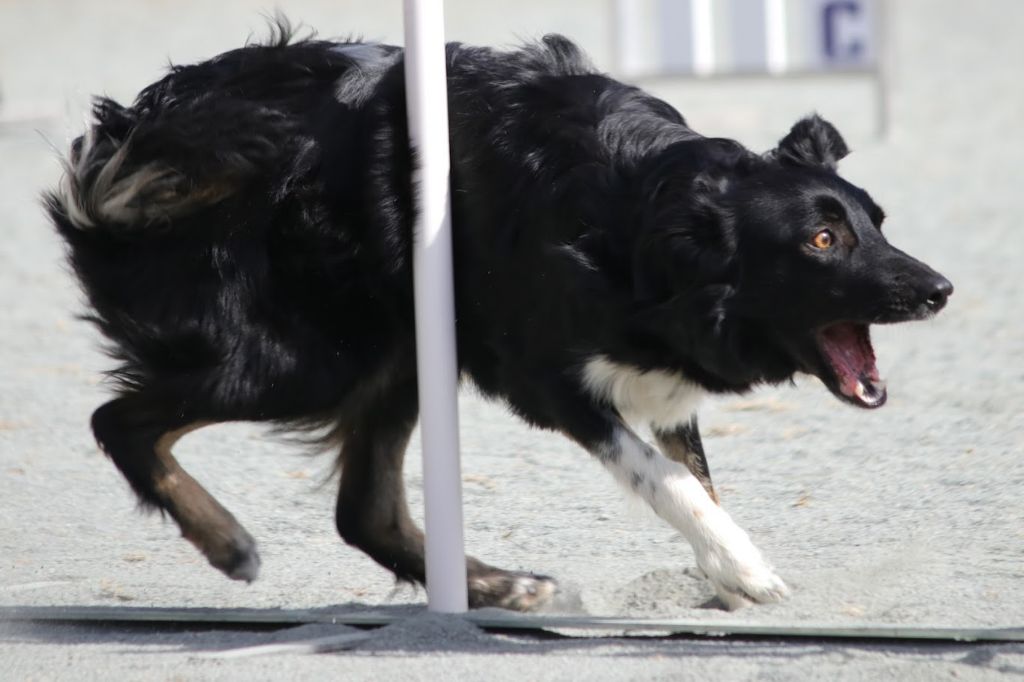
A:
<point x="654" y="397"/>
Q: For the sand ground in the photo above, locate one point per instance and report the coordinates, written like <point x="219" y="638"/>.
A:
<point x="909" y="515"/>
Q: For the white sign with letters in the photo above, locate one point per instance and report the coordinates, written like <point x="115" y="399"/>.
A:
<point x="705" y="37"/>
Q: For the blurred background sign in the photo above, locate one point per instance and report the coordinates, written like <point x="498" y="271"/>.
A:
<point x="828" y="51"/>
<point x="722" y="37"/>
<point x="844" y="34"/>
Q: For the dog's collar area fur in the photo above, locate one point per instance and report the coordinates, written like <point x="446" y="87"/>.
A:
<point x="652" y="397"/>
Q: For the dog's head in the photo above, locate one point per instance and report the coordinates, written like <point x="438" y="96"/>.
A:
<point x="806" y="266"/>
<point x="817" y="268"/>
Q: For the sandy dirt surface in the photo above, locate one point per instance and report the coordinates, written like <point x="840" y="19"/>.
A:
<point x="913" y="514"/>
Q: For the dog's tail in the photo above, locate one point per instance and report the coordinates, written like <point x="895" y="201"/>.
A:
<point x="140" y="170"/>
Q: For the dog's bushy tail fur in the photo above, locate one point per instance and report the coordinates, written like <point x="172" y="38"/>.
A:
<point x="138" y="169"/>
<point x="145" y="190"/>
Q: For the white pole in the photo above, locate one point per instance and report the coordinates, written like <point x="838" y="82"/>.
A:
<point x="629" y="38"/>
<point x="427" y="101"/>
<point x="702" y="27"/>
<point x="883" y="66"/>
<point x="776" y="43"/>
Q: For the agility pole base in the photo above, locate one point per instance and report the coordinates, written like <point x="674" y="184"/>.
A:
<point x="500" y="620"/>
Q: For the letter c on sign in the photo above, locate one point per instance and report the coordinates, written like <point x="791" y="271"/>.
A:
<point x="834" y="15"/>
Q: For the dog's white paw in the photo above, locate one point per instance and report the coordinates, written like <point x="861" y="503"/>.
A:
<point x="737" y="570"/>
<point x="752" y="585"/>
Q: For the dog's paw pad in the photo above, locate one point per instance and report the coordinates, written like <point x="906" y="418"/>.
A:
<point x="513" y="590"/>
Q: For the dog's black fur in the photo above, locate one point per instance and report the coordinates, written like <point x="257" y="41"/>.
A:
<point x="243" y="232"/>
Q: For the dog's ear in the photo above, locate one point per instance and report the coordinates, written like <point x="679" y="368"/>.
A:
<point x="688" y="241"/>
<point x="812" y="141"/>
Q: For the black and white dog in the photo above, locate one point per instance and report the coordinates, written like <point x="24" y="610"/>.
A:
<point x="243" y="234"/>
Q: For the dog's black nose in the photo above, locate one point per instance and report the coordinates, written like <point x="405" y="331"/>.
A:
<point x="942" y="289"/>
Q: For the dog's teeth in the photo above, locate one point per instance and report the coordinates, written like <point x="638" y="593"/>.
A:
<point x="869" y="393"/>
<point x="861" y="391"/>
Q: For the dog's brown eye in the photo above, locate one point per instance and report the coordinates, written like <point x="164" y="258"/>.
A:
<point x="823" y="240"/>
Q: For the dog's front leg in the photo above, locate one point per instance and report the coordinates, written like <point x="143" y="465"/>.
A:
<point x="723" y="550"/>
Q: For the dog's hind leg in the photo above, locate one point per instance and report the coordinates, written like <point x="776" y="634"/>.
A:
<point x="137" y="433"/>
<point x="682" y="444"/>
<point x="372" y="513"/>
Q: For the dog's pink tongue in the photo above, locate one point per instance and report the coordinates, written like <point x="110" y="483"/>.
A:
<point x="847" y="347"/>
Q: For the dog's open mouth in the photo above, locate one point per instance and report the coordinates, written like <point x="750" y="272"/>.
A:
<point x="846" y="349"/>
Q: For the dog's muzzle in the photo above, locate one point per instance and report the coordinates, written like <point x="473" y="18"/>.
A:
<point x="846" y="352"/>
